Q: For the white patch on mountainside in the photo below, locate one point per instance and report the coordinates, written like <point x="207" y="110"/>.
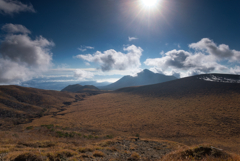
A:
<point x="214" y="78"/>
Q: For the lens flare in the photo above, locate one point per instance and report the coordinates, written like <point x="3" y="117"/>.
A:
<point x="149" y="3"/>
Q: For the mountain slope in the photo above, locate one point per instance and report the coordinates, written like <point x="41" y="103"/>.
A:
<point x="76" y="88"/>
<point x="189" y="86"/>
<point x="145" y="77"/>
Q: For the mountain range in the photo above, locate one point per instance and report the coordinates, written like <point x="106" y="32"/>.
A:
<point x="58" y="86"/>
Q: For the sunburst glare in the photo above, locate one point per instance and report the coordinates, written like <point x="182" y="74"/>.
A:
<point x="149" y="3"/>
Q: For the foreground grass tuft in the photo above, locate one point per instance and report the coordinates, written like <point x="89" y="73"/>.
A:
<point x="98" y="154"/>
<point x="204" y="153"/>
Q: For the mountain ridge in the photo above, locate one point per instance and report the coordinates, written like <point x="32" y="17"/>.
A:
<point x="79" y="88"/>
<point x="146" y="77"/>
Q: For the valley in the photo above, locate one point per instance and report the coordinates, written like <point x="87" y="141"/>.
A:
<point x="169" y="119"/>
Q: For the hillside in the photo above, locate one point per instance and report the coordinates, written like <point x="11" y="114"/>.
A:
<point x="20" y="104"/>
<point x="145" y="77"/>
<point x="77" y="88"/>
<point x="190" y="86"/>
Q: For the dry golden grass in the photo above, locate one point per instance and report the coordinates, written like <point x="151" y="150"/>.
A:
<point x="98" y="154"/>
<point x="193" y="120"/>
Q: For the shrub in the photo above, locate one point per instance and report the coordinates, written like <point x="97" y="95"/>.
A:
<point x="90" y="136"/>
<point x="134" y="156"/>
<point x="28" y="156"/>
<point x="48" y="126"/>
<point x="60" y="134"/>
<point x="29" y="127"/>
<point x="109" y="136"/>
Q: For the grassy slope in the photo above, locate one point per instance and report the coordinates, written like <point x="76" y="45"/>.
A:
<point x="19" y="104"/>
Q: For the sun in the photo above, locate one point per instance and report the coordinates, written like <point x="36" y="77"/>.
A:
<point x="149" y="3"/>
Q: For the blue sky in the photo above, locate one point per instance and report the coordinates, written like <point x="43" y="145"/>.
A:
<point x="102" y="40"/>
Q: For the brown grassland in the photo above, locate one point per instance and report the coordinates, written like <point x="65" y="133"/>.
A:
<point x="108" y="127"/>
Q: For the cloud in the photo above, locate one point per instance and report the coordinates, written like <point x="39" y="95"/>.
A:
<point x="14" y="6"/>
<point x="162" y="53"/>
<point x="112" y="59"/>
<point x="83" y="75"/>
<point x="235" y="70"/>
<point x="89" y="47"/>
<point x="11" y="28"/>
<point x="23" y="58"/>
<point x="87" y="64"/>
<point x="221" y="52"/>
<point x="184" y="63"/>
<point x="82" y="49"/>
<point x="85" y="48"/>
<point x="132" y="38"/>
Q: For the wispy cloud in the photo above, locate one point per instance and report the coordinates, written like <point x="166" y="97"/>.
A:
<point x="11" y="28"/>
<point x="85" y="48"/>
<point x="83" y="75"/>
<point x="14" y="6"/>
<point x="132" y="38"/>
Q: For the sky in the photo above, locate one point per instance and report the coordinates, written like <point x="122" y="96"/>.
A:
<point x="103" y="40"/>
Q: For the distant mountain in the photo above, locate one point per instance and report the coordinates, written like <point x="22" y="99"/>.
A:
<point x="76" y="88"/>
<point x="190" y="86"/>
<point x="146" y="77"/>
<point x="58" y="86"/>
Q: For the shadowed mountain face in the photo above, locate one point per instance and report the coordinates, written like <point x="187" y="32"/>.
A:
<point x="76" y="88"/>
<point x="145" y="77"/>
<point x="190" y="86"/>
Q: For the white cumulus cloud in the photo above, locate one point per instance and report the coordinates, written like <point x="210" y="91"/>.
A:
<point x="112" y="59"/>
<point x="23" y="58"/>
<point x="14" y="6"/>
<point x="221" y="52"/>
<point x="206" y="58"/>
